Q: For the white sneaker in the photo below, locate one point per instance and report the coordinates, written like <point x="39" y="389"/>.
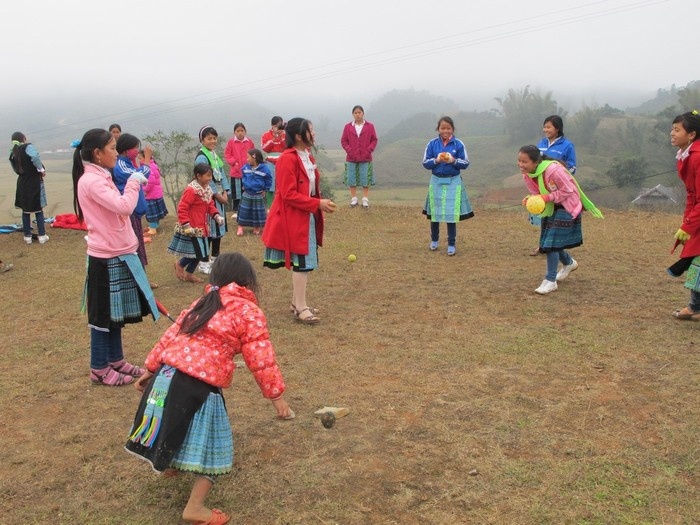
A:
<point x="43" y="239"/>
<point x="547" y="287"/>
<point x="28" y="240"/>
<point x="205" y="267"/>
<point x="566" y="270"/>
<point x="353" y="202"/>
<point x="365" y="203"/>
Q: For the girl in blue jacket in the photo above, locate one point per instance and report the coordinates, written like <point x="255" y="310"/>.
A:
<point x="445" y="156"/>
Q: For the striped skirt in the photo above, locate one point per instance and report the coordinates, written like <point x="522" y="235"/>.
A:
<point x="190" y="247"/>
<point x="182" y="423"/>
<point x="156" y="210"/>
<point x="114" y="294"/>
<point x="447" y="200"/>
<point x="560" y="231"/>
<point x="274" y="258"/>
<point x="358" y="174"/>
<point x="251" y="210"/>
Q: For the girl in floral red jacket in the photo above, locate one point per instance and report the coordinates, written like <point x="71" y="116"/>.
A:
<point x="181" y="423"/>
<point x="190" y="240"/>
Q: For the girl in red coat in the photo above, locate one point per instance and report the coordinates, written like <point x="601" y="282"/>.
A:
<point x="181" y="424"/>
<point x="192" y="229"/>
<point x="236" y="154"/>
<point x="684" y="134"/>
<point x="294" y="228"/>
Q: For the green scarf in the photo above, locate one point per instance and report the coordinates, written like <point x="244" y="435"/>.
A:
<point x="549" y="207"/>
<point x="217" y="165"/>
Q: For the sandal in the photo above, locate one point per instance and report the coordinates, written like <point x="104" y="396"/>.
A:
<point x="126" y="368"/>
<point x="293" y="310"/>
<point x="309" y="319"/>
<point x="191" y="278"/>
<point x="109" y="378"/>
<point x="153" y="285"/>
<point x="686" y="314"/>
<point x="217" y="518"/>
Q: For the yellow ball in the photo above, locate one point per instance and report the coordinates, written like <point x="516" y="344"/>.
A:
<point x="535" y="205"/>
<point x="352" y="257"/>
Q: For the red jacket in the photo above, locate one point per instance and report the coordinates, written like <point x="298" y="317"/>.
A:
<point x="287" y="226"/>
<point x="236" y="154"/>
<point x="273" y="146"/>
<point x="359" y="149"/>
<point x="193" y="209"/>
<point x="689" y="173"/>
<point x="238" y="328"/>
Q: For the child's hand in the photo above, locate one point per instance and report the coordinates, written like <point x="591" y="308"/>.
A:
<point x="283" y="409"/>
<point x="682" y="236"/>
<point x="141" y="382"/>
<point x="219" y="220"/>
<point x="327" y="206"/>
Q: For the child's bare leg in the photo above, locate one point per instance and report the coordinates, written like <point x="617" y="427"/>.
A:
<point x="195" y="509"/>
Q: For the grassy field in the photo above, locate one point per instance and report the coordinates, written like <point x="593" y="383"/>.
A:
<point x="472" y="399"/>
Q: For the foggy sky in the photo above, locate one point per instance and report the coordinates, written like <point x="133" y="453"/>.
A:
<point x="591" y="52"/>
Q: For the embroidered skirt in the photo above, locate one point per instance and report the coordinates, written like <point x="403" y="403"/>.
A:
<point x="182" y="423"/>
<point x="217" y="231"/>
<point x="190" y="247"/>
<point x="113" y="294"/>
<point x="560" y="231"/>
<point x="251" y="210"/>
<point x="156" y="210"/>
<point x="447" y="200"/>
<point x="137" y="225"/>
<point x="358" y="174"/>
<point x="692" y="278"/>
<point x="274" y="258"/>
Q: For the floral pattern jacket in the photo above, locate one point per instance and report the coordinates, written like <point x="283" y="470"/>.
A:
<point x="239" y="327"/>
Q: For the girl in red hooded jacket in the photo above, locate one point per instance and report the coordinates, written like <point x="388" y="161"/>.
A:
<point x="684" y="134"/>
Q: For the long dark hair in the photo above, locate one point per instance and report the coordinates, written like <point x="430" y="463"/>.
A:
<point x="690" y="122"/>
<point x="533" y="152"/>
<point x="93" y="139"/>
<point x="126" y="142"/>
<point x="228" y="268"/>
<point x="298" y="126"/>
<point x="15" y="160"/>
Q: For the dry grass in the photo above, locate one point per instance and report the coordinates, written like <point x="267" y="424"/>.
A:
<point x="472" y="399"/>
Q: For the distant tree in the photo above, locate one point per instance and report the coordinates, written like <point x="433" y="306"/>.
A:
<point x="395" y="106"/>
<point x="689" y="97"/>
<point x="608" y="111"/>
<point x="583" y="126"/>
<point x="174" y="154"/>
<point x="629" y="170"/>
<point x="524" y="112"/>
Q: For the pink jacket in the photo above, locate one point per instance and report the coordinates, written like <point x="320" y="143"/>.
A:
<point x="153" y="189"/>
<point x="106" y="212"/>
<point x="561" y="186"/>
<point x="359" y="149"/>
<point x="236" y="154"/>
<point x="239" y="327"/>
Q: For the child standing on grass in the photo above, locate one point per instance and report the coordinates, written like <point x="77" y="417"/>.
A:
<point x="220" y="186"/>
<point x="447" y="199"/>
<point x="155" y="205"/>
<point x="194" y="210"/>
<point x="561" y="218"/>
<point x="30" y="196"/>
<point x="182" y="424"/>
<point x="684" y="135"/>
<point x="128" y="151"/>
<point x="273" y="142"/>
<point x="235" y="154"/>
<point x="257" y="180"/>
<point x="116" y="288"/>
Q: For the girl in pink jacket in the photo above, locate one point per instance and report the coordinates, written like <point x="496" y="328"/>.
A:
<point x="181" y="423"/>
<point x="359" y="140"/>
<point x="153" y="191"/>
<point x="561" y="217"/>
<point x="117" y="291"/>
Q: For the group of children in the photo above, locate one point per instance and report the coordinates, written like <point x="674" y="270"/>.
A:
<point x="181" y="423"/>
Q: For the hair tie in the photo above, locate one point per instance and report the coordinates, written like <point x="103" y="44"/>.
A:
<point x="214" y="288"/>
<point x="695" y="112"/>
<point x="76" y="144"/>
<point x="16" y="143"/>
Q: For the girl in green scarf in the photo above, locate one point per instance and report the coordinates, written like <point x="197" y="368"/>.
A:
<point x="561" y="218"/>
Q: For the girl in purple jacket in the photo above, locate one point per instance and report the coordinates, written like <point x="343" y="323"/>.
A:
<point x="359" y="140"/>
